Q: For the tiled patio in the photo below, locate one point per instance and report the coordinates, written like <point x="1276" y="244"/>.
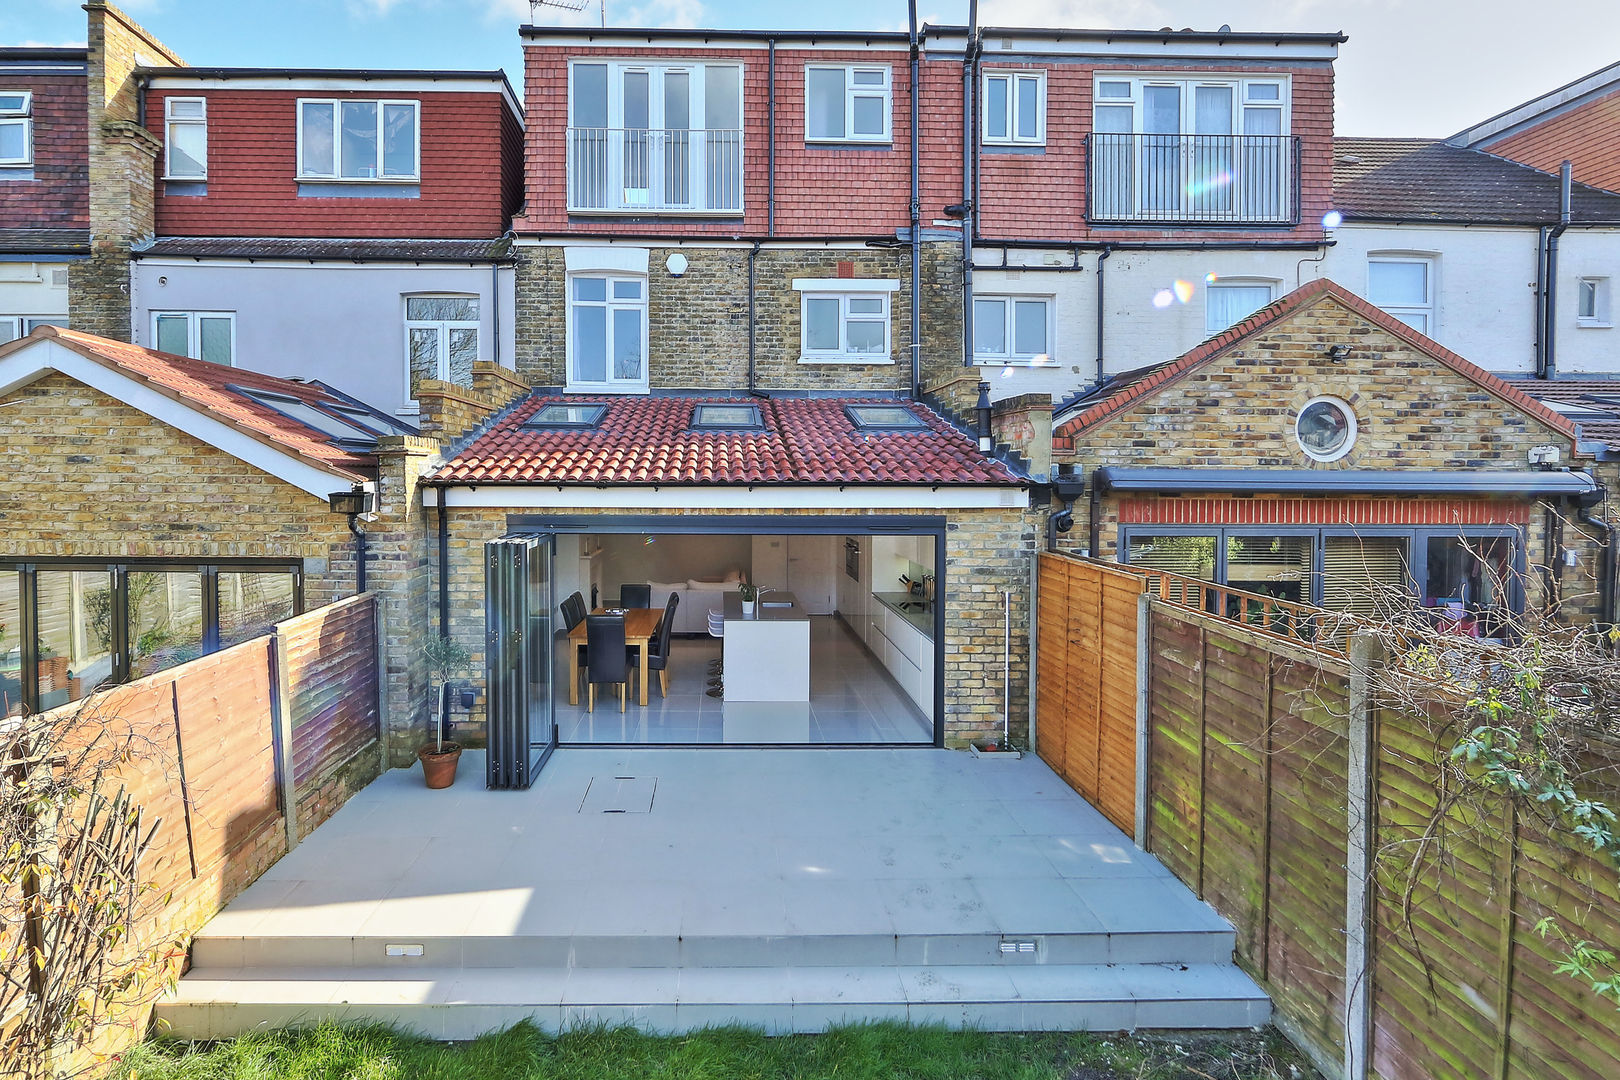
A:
<point x="784" y="888"/>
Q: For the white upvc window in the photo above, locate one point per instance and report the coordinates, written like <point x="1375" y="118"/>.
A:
<point x="847" y="103"/>
<point x="359" y="141"/>
<point x="185" y="138"/>
<point x="441" y="339"/>
<point x="1014" y="112"/>
<point x="1592" y="302"/>
<point x="13" y="327"/>
<point x="1012" y="329"/>
<point x="1230" y="301"/>
<point x="16" y="127"/>
<point x="201" y="335"/>
<point x="1403" y="285"/>
<point x="844" y="320"/>
<point x="607" y="333"/>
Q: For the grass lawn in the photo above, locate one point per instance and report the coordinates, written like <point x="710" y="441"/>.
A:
<point x="859" y="1052"/>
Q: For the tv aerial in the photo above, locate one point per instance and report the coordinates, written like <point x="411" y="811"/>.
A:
<point x="567" y="5"/>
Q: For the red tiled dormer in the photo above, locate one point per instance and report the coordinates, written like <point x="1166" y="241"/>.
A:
<point x="50" y="190"/>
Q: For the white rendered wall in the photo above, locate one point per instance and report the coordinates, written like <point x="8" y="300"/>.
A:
<point x="26" y="289"/>
<point x="341" y="324"/>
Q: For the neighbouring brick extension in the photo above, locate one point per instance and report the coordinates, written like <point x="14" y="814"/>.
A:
<point x="450" y="411"/>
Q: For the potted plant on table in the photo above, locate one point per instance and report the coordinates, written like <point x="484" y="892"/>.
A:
<point x="447" y="657"/>
<point x="749" y="594"/>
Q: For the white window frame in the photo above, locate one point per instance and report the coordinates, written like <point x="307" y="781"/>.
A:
<point x="843" y="290"/>
<point x="1599" y="318"/>
<point x="170" y="122"/>
<point x="1352" y="428"/>
<point x="1013" y="78"/>
<point x="851" y="93"/>
<point x="1269" y="284"/>
<point x="336" y="177"/>
<point x="1188" y="82"/>
<point x="1429" y="309"/>
<point x="1012" y="357"/>
<point x="194" y="330"/>
<point x="24" y="118"/>
<point x="443" y="326"/>
<point x="20" y="326"/>
<point x="611" y="385"/>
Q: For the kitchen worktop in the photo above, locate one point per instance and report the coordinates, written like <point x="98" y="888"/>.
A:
<point x="923" y="620"/>
<point x="771" y="607"/>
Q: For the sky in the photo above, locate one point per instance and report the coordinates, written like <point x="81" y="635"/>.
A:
<point x="1411" y="67"/>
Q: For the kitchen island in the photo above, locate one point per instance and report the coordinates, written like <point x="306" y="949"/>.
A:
<point x="766" y="654"/>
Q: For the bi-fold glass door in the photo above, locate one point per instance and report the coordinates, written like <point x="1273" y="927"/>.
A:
<point x="517" y="647"/>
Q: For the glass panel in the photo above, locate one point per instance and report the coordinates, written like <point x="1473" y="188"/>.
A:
<point x="1265" y="91"/>
<point x="590" y="95"/>
<point x="590" y="288"/>
<point x="13" y="103"/>
<point x="1189" y="556"/>
<point x="315" y="152"/>
<point x="1114" y="119"/>
<point x="1226" y="304"/>
<point x="1029" y="108"/>
<point x="307" y="414"/>
<point x="995" y="108"/>
<point x="1029" y="328"/>
<point x="463" y="351"/>
<point x="75" y="634"/>
<point x="399" y="140"/>
<point x="636" y="104"/>
<point x="1212" y="107"/>
<point x="1364" y="575"/>
<point x="824" y="97"/>
<point x="590" y="343"/>
<point x="424" y="354"/>
<point x="215" y="333"/>
<point x="726" y="416"/>
<point x="1586" y="300"/>
<point x="173" y="334"/>
<point x="1161" y="110"/>
<point x="626" y="290"/>
<point x="441" y="309"/>
<point x="11" y="699"/>
<point x="867" y="337"/>
<point x="165" y="619"/>
<point x="1470" y="584"/>
<point x="1277" y="566"/>
<point x="359" y="135"/>
<point x="1212" y="156"/>
<point x="9" y="330"/>
<point x="580" y="415"/>
<point x="869" y="77"/>
<point x="677" y="99"/>
<point x="14" y="140"/>
<point x="866" y="305"/>
<point x="252" y="602"/>
<point x="885" y="416"/>
<point x="1402" y="282"/>
<point x="1112" y="89"/>
<point x="1262" y="121"/>
<point x="627" y="344"/>
<point x="1161" y="152"/>
<point x="722" y="98"/>
<point x="821" y="324"/>
<point x="870" y="115"/>
<point x="1323" y="427"/>
<point x="188" y="150"/>
<point x="185" y="109"/>
<point x="990" y="327"/>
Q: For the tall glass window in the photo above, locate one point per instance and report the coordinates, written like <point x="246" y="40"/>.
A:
<point x="11" y="636"/>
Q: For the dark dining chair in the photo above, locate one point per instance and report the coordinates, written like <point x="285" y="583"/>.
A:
<point x="658" y="647"/>
<point x="632" y="596"/>
<point x="573" y="610"/>
<point x="607" y="658"/>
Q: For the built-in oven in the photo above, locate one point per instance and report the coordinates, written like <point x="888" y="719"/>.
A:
<point x="852" y="557"/>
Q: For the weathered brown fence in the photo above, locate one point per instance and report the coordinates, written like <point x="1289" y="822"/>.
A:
<point x="240" y="753"/>
<point x="1269" y="784"/>
<point x="1085" y="705"/>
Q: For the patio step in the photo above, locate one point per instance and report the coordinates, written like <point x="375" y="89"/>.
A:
<point x="405" y="952"/>
<point x="457" y="1003"/>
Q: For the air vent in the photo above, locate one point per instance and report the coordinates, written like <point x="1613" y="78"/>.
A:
<point x="1017" y="947"/>
<point x="59" y="277"/>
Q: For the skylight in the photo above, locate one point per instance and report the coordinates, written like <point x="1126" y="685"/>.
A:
<point x="350" y="436"/>
<point x="885" y="418"/>
<point x="587" y="415"/>
<point x="726" y="417"/>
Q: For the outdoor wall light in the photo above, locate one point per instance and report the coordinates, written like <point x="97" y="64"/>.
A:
<point x="675" y="264"/>
<point x="1337" y="353"/>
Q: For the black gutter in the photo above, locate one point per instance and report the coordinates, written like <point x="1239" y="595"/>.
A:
<point x="594" y="485"/>
<point x="627" y="237"/>
<point x="1494" y="223"/>
<point x="437" y="75"/>
<point x="21" y="53"/>
<point x="916" y="216"/>
<point x="1499" y="482"/>
<point x="1149" y="245"/>
<point x="1076" y="34"/>
<point x="1548" y="368"/>
<point x="1102" y="258"/>
<point x="753" y="254"/>
<point x="770" y="147"/>
<point x="652" y="34"/>
<point x="969" y="180"/>
<point x="444" y="565"/>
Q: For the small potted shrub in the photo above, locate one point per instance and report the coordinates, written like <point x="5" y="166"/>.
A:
<point x="749" y="594"/>
<point x="447" y="657"/>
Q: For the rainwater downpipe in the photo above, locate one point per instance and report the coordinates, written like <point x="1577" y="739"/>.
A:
<point x="1102" y="258"/>
<point x="1549" y="314"/>
<point x="969" y="159"/>
<point x="1584" y="516"/>
<point x="916" y="222"/>
<point x="753" y="255"/>
<point x="444" y="569"/>
<point x="770" y="143"/>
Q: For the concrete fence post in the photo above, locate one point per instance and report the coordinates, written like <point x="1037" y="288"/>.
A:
<point x="1144" y="666"/>
<point x="1361" y="848"/>
<point x="281" y="735"/>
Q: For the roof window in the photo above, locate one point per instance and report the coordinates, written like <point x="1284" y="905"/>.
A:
<point x="884" y="418"/>
<point x="727" y="417"/>
<point x="588" y="415"/>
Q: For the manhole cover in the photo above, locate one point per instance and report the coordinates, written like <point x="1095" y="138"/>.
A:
<point x="619" y="795"/>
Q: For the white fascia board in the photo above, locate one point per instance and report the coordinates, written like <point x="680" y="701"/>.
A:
<point x="564" y="241"/>
<point x="795" y="41"/>
<point x="213" y="261"/>
<point x="379" y="86"/>
<point x="28" y="365"/>
<point x="618" y="257"/>
<point x="846" y="285"/>
<point x="1101" y="48"/>
<point x="761" y="497"/>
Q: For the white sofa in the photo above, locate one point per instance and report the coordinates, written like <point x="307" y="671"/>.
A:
<point x="697" y="597"/>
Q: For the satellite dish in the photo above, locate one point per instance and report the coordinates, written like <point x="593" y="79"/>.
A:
<point x="1226" y="28"/>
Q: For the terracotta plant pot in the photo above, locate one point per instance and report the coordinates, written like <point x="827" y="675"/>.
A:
<point x="439" y="767"/>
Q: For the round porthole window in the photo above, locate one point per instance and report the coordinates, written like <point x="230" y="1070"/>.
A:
<point x="1326" y="429"/>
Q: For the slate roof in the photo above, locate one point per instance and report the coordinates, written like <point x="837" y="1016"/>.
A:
<point x="44" y="241"/>
<point x="1418" y="180"/>
<point x="1086" y="413"/>
<point x="1593" y="404"/>
<point x="314" y="248"/>
<point x="650" y="440"/>
<point x="218" y="391"/>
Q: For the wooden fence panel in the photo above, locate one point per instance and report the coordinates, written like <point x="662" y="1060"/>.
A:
<point x="1176" y="738"/>
<point x="331" y="661"/>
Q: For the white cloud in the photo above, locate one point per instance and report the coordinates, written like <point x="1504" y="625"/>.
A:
<point x="49" y="45"/>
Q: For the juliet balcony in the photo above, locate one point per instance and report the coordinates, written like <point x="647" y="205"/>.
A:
<point x="655" y="171"/>
<point x="1192" y="179"/>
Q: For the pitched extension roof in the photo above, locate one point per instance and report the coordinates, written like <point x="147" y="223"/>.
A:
<point x="231" y="396"/>
<point x="1592" y="405"/>
<point x="650" y="440"/>
<point x="44" y="241"/>
<point x="1086" y="413"/>
<point x="1417" y="180"/>
<point x="314" y="248"/>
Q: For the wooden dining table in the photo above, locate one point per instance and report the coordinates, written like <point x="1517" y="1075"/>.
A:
<point x="640" y="626"/>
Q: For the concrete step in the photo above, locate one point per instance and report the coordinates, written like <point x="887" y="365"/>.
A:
<point x="1210" y="944"/>
<point x="457" y="1003"/>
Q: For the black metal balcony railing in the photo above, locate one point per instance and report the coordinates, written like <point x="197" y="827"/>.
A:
<point x="1192" y="179"/>
<point x="654" y="170"/>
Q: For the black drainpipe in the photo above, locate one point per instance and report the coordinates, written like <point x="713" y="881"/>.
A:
<point x="359" y="555"/>
<point x="1102" y="257"/>
<point x="969" y="158"/>
<point x="1549" y="334"/>
<point x="1583" y="514"/>
<point x="770" y="142"/>
<point x="916" y="222"/>
<point x="753" y="254"/>
<point x="444" y="568"/>
<point x="1539" y="315"/>
<point x="1095" y="516"/>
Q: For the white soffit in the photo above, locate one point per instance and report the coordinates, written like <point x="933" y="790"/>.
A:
<point x="846" y="285"/>
<point x="763" y="498"/>
<point x="39" y="359"/>
<point x="624" y="260"/>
